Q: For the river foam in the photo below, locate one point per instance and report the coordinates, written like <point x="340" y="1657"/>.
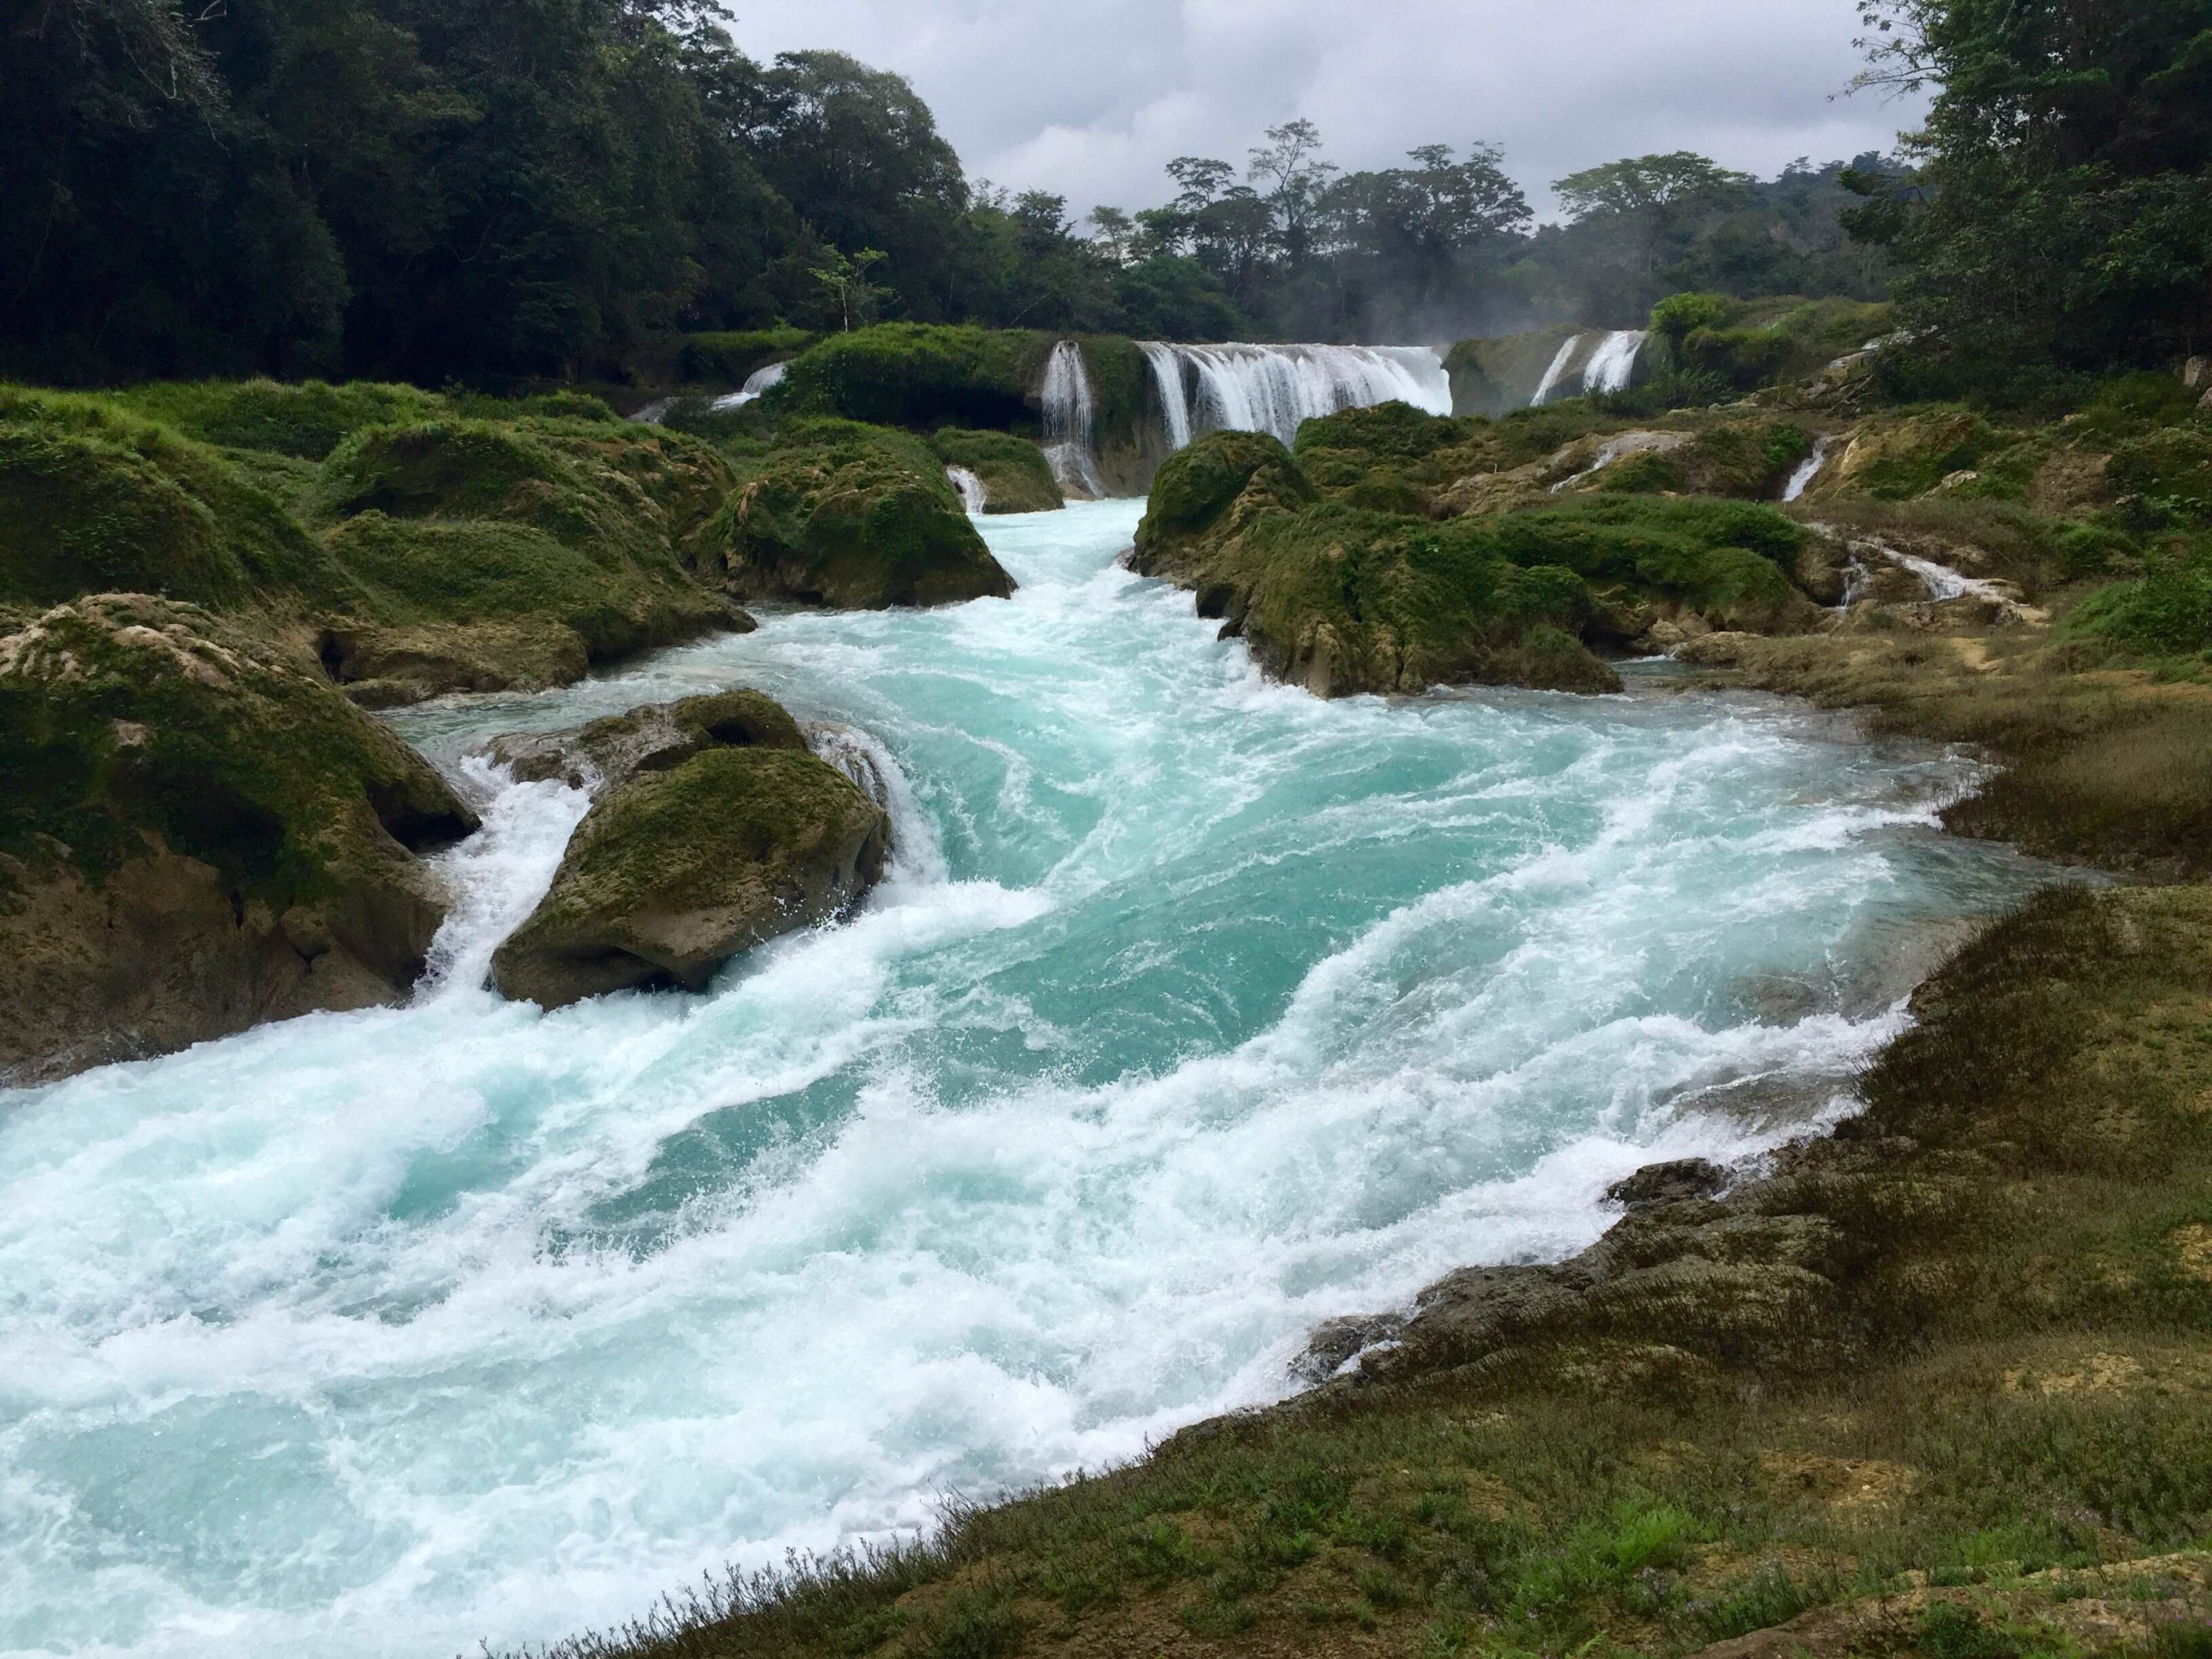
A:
<point x="1194" y="1010"/>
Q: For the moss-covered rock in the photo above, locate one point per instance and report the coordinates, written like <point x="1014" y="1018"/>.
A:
<point x="844" y="514"/>
<point x="1341" y="599"/>
<point x="449" y="553"/>
<point x="913" y="374"/>
<point x="674" y="873"/>
<point x="199" y="834"/>
<point x="306" y="421"/>
<point x="95" y="499"/>
<point x="1014" y="473"/>
<point x="497" y="555"/>
<point x="656" y="739"/>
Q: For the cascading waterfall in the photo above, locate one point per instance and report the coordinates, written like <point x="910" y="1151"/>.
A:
<point x="1175" y="401"/>
<point x="1249" y="388"/>
<point x="1556" y="373"/>
<point x="759" y="382"/>
<point x="1608" y="367"/>
<point x="1239" y="388"/>
<point x="1070" y="415"/>
<point x="972" y="496"/>
<point x="1807" y="470"/>
<point x="1613" y="363"/>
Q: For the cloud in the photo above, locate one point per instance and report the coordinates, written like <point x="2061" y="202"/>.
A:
<point x="1092" y="100"/>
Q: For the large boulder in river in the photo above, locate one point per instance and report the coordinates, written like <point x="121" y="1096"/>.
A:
<point x="857" y="516"/>
<point x="658" y="737"/>
<point x="674" y="873"/>
<point x="199" y="834"/>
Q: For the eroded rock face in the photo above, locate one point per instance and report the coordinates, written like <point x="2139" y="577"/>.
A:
<point x="657" y="738"/>
<point x="203" y="836"/>
<point x="673" y="872"/>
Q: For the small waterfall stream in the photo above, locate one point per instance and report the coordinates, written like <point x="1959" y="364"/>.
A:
<point x="759" y="382"/>
<point x="972" y="496"/>
<point x="1807" y="470"/>
<point x="1608" y="364"/>
<point x="1071" y="418"/>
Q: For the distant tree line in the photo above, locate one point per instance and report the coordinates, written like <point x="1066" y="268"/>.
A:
<point x="434" y="189"/>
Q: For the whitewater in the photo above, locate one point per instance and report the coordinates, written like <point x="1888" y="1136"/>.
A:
<point x="1194" y="1010"/>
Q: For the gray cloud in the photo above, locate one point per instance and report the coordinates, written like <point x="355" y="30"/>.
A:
<point x="1091" y="101"/>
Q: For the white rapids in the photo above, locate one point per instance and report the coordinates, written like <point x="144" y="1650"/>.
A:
<point x="1194" y="1011"/>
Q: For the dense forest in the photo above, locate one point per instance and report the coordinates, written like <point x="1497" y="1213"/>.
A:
<point x="543" y="188"/>
<point x="494" y="189"/>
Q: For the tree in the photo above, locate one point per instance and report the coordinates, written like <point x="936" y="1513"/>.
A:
<point x="1114" y="233"/>
<point x="1654" y="196"/>
<point x="1292" y="180"/>
<point x="2057" y="212"/>
<point x="847" y="282"/>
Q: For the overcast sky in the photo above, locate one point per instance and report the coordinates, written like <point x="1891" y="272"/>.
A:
<point x="1091" y="100"/>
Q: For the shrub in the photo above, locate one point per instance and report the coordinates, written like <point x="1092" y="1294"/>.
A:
<point x="2166" y="612"/>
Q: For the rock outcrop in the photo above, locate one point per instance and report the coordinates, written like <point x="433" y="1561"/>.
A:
<point x="852" y="516"/>
<point x="199" y="834"/>
<point x="1342" y="597"/>
<point x="658" y="737"/>
<point x="725" y="833"/>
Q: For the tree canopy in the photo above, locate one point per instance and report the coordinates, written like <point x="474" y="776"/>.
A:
<point x="2057" y="213"/>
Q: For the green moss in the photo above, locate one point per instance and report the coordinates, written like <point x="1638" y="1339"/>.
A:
<point x="1199" y="483"/>
<point x="94" y="499"/>
<point x="915" y="375"/>
<point x="1015" y="477"/>
<point x="1386" y="432"/>
<point x="848" y="515"/>
<point x="680" y="834"/>
<point x="306" y="420"/>
<point x="520" y="577"/>
<point x="1340" y="596"/>
<point x="123" y="714"/>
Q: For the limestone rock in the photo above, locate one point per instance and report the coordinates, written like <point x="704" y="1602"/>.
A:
<point x="1664" y="1183"/>
<point x="206" y="836"/>
<point x="674" y="873"/>
<point x="656" y="739"/>
<point x="855" y="517"/>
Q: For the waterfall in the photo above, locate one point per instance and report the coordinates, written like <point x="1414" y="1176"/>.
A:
<point x="1808" y="470"/>
<point x="1256" y="388"/>
<point x="759" y="382"/>
<point x="1175" y="401"/>
<point x="972" y="496"/>
<point x="1613" y="361"/>
<point x="1556" y="372"/>
<point x="1237" y="387"/>
<point x="1609" y="366"/>
<point x="1071" y="412"/>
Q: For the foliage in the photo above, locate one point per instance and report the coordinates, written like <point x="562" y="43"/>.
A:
<point x="2057" y="216"/>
